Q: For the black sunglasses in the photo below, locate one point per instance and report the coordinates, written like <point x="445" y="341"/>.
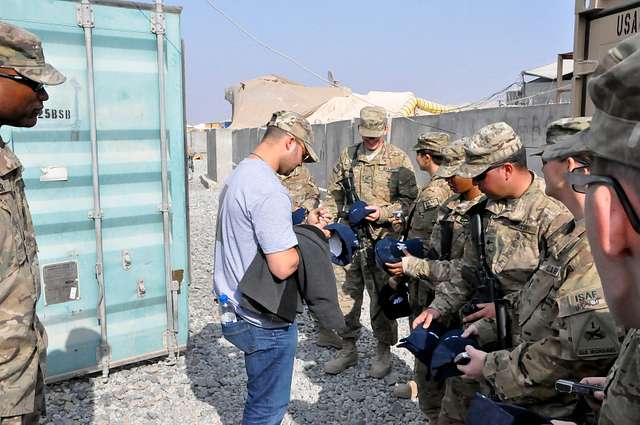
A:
<point x="580" y="182"/>
<point x="33" y="85"/>
<point x="483" y="175"/>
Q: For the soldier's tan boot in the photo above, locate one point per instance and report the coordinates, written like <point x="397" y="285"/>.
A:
<point x="408" y="390"/>
<point x="328" y="338"/>
<point x="347" y="357"/>
<point x="381" y="365"/>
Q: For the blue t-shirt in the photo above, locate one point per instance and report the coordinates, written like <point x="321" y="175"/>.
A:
<point x="254" y="211"/>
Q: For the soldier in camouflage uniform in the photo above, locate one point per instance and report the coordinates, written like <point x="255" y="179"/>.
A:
<point x="613" y="224"/>
<point x="302" y="189"/>
<point x="23" y="72"/>
<point x="446" y="246"/>
<point x="564" y="328"/>
<point x="518" y="220"/>
<point x="384" y="179"/>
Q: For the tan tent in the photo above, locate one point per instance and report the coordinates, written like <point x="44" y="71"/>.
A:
<point x="255" y="100"/>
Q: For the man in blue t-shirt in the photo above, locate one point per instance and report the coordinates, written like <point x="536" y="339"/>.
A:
<point x="255" y="213"/>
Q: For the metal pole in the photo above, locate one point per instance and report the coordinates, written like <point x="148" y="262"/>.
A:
<point x="158" y="27"/>
<point x="85" y="20"/>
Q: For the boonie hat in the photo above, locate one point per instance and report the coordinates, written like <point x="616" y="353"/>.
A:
<point x="490" y="146"/>
<point x="433" y="141"/>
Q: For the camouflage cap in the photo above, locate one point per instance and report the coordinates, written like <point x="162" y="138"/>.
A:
<point x="453" y="155"/>
<point x="570" y="145"/>
<point x="433" y="141"/>
<point x="22" y="51"/>
<point x="614" y="88"/>
<point x="373" y="121"/>
<point x="561" y="130"/>
<point x="296" y="125"/>
<point x="488" y="147"/>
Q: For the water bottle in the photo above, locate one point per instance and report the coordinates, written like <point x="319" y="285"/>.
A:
<point x="227" y="313"/>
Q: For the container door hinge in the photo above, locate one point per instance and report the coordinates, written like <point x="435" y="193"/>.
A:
<point x="158" y="23"/>
<point x="84" y="15"/>
<point x="95" y="215"/>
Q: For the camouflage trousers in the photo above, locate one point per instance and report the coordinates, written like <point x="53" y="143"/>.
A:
<point x="458" y="394"/>
<point x="352" y="280"/>
<point x="430" y="392"/>
<point x="32" y="418"/>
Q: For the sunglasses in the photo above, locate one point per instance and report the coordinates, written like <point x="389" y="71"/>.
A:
<point x="305" y="152"/>
<point x="33" y="85"/>
<point x="483" y="175"/>
<point x="580" y="182"/>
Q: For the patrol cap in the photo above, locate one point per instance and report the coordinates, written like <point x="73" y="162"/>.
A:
<point x="484" y="411"/>
<point x="342" y="243"/>
<point x="615" y="127"/>
<point x="488" y="147"/>
<point x="453" y="155"/>
<point x="442" y="361"/>
<point x="561" y="130"/>
<point x="433" y="141"/>
<point x="22" y="51"/>
<point x="421" y="342"/>
<point x="296" y="125"/>
<point x="572" y="145"/>
<point x="373" y="121"/>
<point x="395" y="302"/>
<point x="358" y="212"/>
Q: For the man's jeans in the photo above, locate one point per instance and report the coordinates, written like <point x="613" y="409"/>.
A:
<point x="268" y="360"/>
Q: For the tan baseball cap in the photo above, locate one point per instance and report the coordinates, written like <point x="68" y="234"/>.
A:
<point x="433" y="141"/>
<point x="22" y="51"/>
<point x="373" y="121"/>
<point x="453" y="155"/>
<point x="296" y="125"/>
<point x="488" y="147"/>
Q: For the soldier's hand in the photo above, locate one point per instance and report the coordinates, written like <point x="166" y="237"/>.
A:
<point x="471" y="330"/>
<point x="595" y="402"/>
<point x="395" y="268"/>
<point x="374" y="215"/>
<point x="473" y="369"/>
<point x="485" y="310"/>
<point x="426" y="317"/>
<point x="319" y="216"/>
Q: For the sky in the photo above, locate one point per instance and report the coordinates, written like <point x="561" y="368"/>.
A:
<point x="447" y="51"/>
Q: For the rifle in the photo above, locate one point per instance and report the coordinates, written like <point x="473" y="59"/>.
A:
<point x="488" y="287"/>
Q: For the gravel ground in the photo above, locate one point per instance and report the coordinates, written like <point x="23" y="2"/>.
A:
<point x="207" y="385"/>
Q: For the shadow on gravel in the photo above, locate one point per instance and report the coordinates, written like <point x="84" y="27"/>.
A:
<point x="343" y="398"/>
<point x="217" y="375"/>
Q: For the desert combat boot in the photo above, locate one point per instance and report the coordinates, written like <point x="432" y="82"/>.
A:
<point x="381" y="365"/>
<point x="347" y="357"/>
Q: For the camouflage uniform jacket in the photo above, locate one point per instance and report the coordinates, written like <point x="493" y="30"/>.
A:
<point x="452" y="214"/>
<point x="622" y="391"/>
<point x="22" y="337"/>
<point x="387" y="180"/>
<point x="516" y="232"/>
<point x="302" y="189"/>
<point x="557" y="313"/>
<point x="424" y="212"/>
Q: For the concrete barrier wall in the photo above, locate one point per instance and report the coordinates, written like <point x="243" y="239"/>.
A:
<point x="529" y="122"/>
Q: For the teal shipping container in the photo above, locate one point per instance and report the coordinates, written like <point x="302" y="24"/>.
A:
<point x="105" y="179"/>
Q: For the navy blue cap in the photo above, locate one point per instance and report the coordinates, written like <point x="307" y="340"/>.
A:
<point x="342" y="243"/>
<point x="451" y="344"/>
<point x="389" y="250"/>
<point x="358" y="212"/>
<point x="484" y="411"/>
<point x="421" y="342"/>
<point x="298" y="215"/>
<point x="394" y="302"/>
